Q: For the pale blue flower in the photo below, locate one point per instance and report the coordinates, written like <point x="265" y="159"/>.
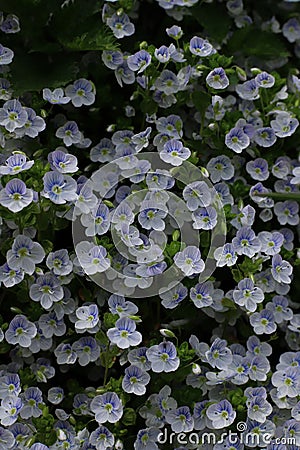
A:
<point x="9" y="412"/>
<point x="81" y="92"/>
<point x="146" y="439"/>
<point x="189" y="260"/>
<point x="15" y="163"/>
<point x="287" y="212"/>
<point x="59" y="262"/>
<point x="221" y="414"/>
<point x="55" y="395"/>
<point x="112" y="59"/>
<point x="237" y="140"/>
<point x="217" y="79"/>
<point x="135" y="380"/>
<point x="265" y="80"/>
<point x="284" y="125"/>
<point x="33" y="125"/>
<point x="167" y="82"/>
<point x="197" y="194"/>
<point x="225" y="255"/>
<point x="174" y="152"/>
<point x="139" y="61"/>
<point x="202" y="294"/>
<point x="281" y="270"/>
<point x="24" y="254"/>
<point x="32" y="402"/>
<point x="97" y="222"/>
<point x="65" y="354"/>
<point x="46" y="290"/>
<point x="249" y="90"/>
<point x="246" y="243"/>
<point x="102" y="438"/>
<point x="258" y="169"/>
<point x="6" y="55"/>
<point x="16" y="196"/>
<point x="59" y="188"/>
<point x="92" y="257"/>
<point x="271" y="243"/>
<point x="180" y="419"/>
<point x="62" y="161"/>
<point x="87" y="350"/>
<point x="107" y="407"/>
<point x="56" y="96"/>
<point x="20" y="331"/>
<point x="118" y="305"/>
<point x="12" y="113"/>
<point x="248" y="295"/>
<point x="219" y="355"/>
<point x="280" y="308"/>
<point x="120" y="25"/>
<point x="152" y="215"/>
<point x="220" y="168"/>
<point x="174" y="32"/>
<point x="88" y="317"/>
<point x="124" y="333"/>
<point x="263" y="322"/>
<point x="163" y="357"/>
<point x="51" y="325"/>
<point x="204" y="218"/>
<point x="200" y="47"/>
<point x="174" y="296"/>
<point x="69" y="133"/>
<point x="291" y="30"/>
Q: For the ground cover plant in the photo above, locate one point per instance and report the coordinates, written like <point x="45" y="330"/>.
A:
<point x="149" y="224"/>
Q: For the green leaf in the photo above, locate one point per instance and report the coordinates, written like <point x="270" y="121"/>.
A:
<point x="201" y="100"/>
<point x="215" y="20"/>
<point x="252" y="41"/>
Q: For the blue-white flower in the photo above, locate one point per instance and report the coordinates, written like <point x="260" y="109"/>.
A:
<point x="249" y="90"/>
<point x="271" y="243"/>
<point x="248" y="295"/>
<point x="202" y="294"/>
<point x="291" y="29"/>
<point x="32" y="403"/>
<point x="9" y="411"/>
<point x="200" y="47"/>
<point x="5" y="91"/>
<point x="120" y="25"/>
<point x="163" y="357"/>
<point x="33" y="125"/>
<point x="20" y="331"/>
<point x="280" y="308"/>
<point x="287" y="381"/>
<point x="217" y="79"/>
<point x="123" y="308"/>
<point x="124" y="333"/>
<point x="25" y="254"/>
<point x="204" y="218"/>
<point x="97" y="222"/>
<point x="12" y="114"/>
<point x="281" y="270"/>
<point x="246" y="243"/>
<point x="6" y="55"/>
<point x="180" y="419"/>
<point x="284" y="124"/>
<point x="174" y="152"/>
<point x="55" y="395"/>
<point x="174" y="32"/>
<point x="16" y="196"/>
<point x="11" y="24"/>
<point x="124" y="75"/>
<point x="162" y="54"/>
<point x="219" y="355"/>
<point x="141" y="140"/>
<point x="46" y="290"/>
<point x="107" y="407"/>
<point x="112" y="59"/>
<point x="62" y="161"/>
<point x="220" y="168"/>
<point x="287" y="212"/>
<point x="265" y="80"/>
<point x="102" y="438"/>
<point x="139" y="61"/>
<point x="237" y="140"/>
<point x="135" y="380"/>
<point x="93" y="258"/>
<point x="189" y="260"/>
<point x="59" y="262"/>
<point x="69" y="133"/>
<point x="171" y="125"/>
<point x="167" y="82"/>
<point x="65" y="354"/>
<point x="258" y="169"/>
<point x="197" y="194"/>
<point x="51" y="324"/>
<point x="225" y="255"/>
<point x="146" y="438"/>
<point x="263" y="322"/>
<point x="174" y="296"/>
<point x="104" y="151"/>
<point x="88" y="317"/>
<point x="56" y="96"/>
<point x="152" y="215"/>
<point x="15" y="163"/>
<point x="265" y="137"/>
<point x="87" y="350"/>
<point x="59" y="188"/>
<point x="81" y="92"/>
<point x="221" y="414"/>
